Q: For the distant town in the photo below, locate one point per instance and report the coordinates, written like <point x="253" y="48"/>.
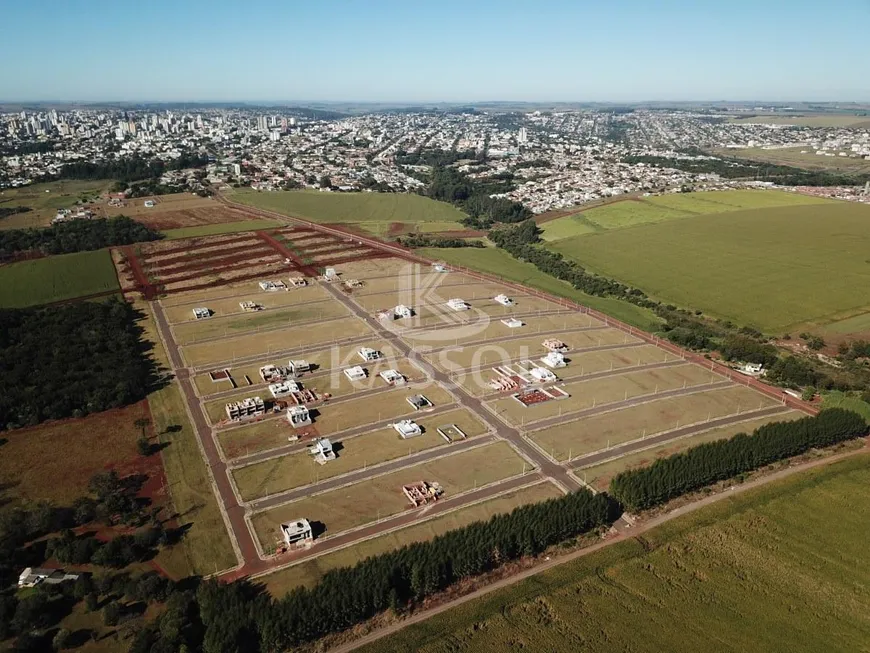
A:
<point x="553" y="159"/>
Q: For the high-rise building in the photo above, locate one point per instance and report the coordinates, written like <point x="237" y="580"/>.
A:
<point x="523" y="136"/>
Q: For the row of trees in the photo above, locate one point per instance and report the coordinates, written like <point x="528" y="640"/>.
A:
<point x="76" y="236"/>
<point x="708" y="463"/>
<point x="741" y="169"/>
<point x="6" y="211"/>
<point x="425" y="240"/>
<point x="131" y="168"/>
<point x="436" y="157"/>
<point x="240" y="617"/>
<point x="70" y="360"/>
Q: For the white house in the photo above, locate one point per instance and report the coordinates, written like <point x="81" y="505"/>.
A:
<point x="273" y="286"/>
<point x="322" y="451"/>
<point x="149" y="204"/>
<point x="512" y="323"/>
<point x="392" y="377"/>
<point x="368" y="354"/>
<point x="458" y="304"/>
<point x="542" y="374"/>
<point x="250" y="307"/>
<point x="283" y="388"/>
<point x="407" y="428"/>
<point x="330" y="274"/>
<point x="504" y="300"/>
<point x="401" y="311"/>
<point x="299" y="416"/>
<point x="356" y="373"/>
<point x="297" y="532"/>
<point x="32" y="576"/>
<point x="201" y="313"/>
<point x="554" y="359"/>
<point x="298" y="367"/>
<point x="418" y="402"/>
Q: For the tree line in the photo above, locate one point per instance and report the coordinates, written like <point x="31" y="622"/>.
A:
<point x="70" y="360"/>
<point x="708" y="463"/>
<point x="731" y="168"/>
<point x="425" y="240"/>
<point x="130" y="168"/>
<point x="6" y="211"/>
<point x="76" y="236"/>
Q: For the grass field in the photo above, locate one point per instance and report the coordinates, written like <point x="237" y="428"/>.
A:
<point x="370" y="211"/>
<point x="216" y="229"/>
<point x="35" y="463"/>
<point x="44" y="205"/>
<point x="780" y="568"/>
<point x="598" y="476"/>
<point x="56" y="278"/>
<point x="772" y="268"/>
<point x="570" y="225"/>
<point x="599" y="432"/>
<point x="662" y="208"/>
<point x="260" y="344"/>
<point x="298" y="469"/>
<point x="206" y="546"/>
<point x="499" y="262"/>
<point x="804" y="157"/>
<point x="365" y="502"/>
<point x="837" y="399"/>
<point x="309" y="572"/>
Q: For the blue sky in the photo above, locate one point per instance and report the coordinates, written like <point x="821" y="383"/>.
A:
<point x="428" y="51"/>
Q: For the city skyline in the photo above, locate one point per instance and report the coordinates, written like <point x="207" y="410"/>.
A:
<point x="450" y="53"/>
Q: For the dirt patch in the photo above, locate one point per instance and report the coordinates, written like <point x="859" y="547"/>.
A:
<point x="192" y="217"/>
<point x="397" y="229"/>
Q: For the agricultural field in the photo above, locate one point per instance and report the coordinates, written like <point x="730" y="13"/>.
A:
<point x="218" y="228"/>
<point x="57" y="278"/>
<point x="379" y="213"/>
<point x="756" y="570"/>
<point x="805" y="157"/>
<point x="309" y="572"/>
<point x="45" y="199"/>
<point x="675" y="206"/>
<point x="774" y="268"/>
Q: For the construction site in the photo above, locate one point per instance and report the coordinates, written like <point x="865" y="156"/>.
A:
<point x="343" y="389"/>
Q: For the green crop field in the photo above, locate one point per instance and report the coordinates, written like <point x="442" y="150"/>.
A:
<point x="818" y="120"/>
<point x="216" y="229"/>
<point x="371" y="211"/>
<point x="661" y="208"/>
<point x="56" y="278"/>
<point x="499" y="262"/>
<point x="773" y="268"/>
<point x="45" y="199"/>
<point x="780" y="568"/>
<point x="570" y="225"/>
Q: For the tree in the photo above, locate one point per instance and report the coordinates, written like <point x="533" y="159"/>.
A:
<point x="111" y="614"/>
<point x="61" y="639"/>
<point x="325" y="182"/>
<point x="91" y="602"/>
<point x="143" y="446"/>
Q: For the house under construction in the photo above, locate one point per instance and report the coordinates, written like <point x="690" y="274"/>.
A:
<point x="422" y="493"/>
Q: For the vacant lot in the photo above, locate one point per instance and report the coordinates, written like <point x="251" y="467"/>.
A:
<point x="215" y="229"/>
<point x="771" y="268"/>
<point x="780" y="568"/>
<point x="309" y="572"/>
<point x="229" y="325"/>
<point x="261" y="344"/>
<point x="35" y="463"/>
<point x="611" y="389"/>
<point x="375" y="210"/>
<point x="611" y="429"/>
<point x="45" y="199"/>
<point x="365" y="502"/>
<point x="498" y="262"/>
<point x="598" y="476"/>
<point x="298" y="469"/>
<point x="56" y="278"/>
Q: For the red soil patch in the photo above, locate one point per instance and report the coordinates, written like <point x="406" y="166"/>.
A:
<point x="396" y="229"/>
<point x="195" y="217"/>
